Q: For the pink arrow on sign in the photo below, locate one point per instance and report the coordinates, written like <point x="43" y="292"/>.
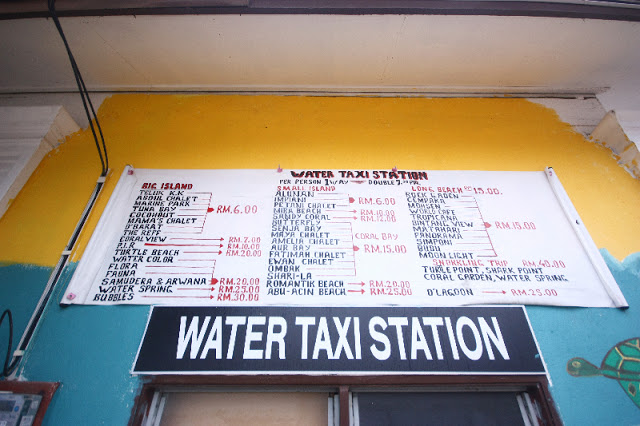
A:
<point x="197" y="288"/>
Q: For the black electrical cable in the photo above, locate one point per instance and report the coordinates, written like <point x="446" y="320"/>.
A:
<point x="7" y="369"/>
<point x="84" y="94"/>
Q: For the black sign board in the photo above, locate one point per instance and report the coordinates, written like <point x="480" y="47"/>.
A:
<point x="340" y="340"/>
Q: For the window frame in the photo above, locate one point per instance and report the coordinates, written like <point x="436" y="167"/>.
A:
<point x="535" y="385"/>
<point x="45" y="389"/>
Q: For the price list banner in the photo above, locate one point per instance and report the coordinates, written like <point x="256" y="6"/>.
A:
<point x="341" y="238"/>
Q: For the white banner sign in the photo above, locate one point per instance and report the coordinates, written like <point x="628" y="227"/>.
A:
<point x="341" y="238"/>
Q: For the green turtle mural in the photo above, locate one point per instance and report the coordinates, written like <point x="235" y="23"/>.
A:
<point x="621" y="363"/>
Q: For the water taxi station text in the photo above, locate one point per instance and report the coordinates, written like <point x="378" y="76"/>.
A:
<point x="258" y="337"/>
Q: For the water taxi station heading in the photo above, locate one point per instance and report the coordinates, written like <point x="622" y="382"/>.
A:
<point x="360" y="174"/>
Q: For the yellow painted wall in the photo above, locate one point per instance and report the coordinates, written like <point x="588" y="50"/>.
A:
<point x="208" y="132"/>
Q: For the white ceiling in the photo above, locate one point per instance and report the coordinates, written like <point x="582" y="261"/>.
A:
<point x="335" y="53"/>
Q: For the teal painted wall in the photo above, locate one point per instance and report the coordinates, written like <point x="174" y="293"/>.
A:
<point x="565" y="333"/>
<point x="20" y="289"/>
<point x="90" y="351"/>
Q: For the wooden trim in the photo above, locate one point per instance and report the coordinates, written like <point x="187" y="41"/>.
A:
<point x="44" y="389"/>
<point x="142" y="404"/>
<point x="344" y="406"/>
<point x="365" y="380"/>
<point x="609" y="10"/>
<point x="547" y="405"/>
<point x="536" y="385"/>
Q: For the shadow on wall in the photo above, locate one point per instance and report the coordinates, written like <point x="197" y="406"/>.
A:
<point x="20" y="289"/>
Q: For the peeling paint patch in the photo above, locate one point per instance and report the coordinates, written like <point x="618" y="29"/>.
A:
<point x="610" y="134"/>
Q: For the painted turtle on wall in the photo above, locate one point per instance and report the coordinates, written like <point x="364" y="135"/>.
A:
<point x="621" y="363"/>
